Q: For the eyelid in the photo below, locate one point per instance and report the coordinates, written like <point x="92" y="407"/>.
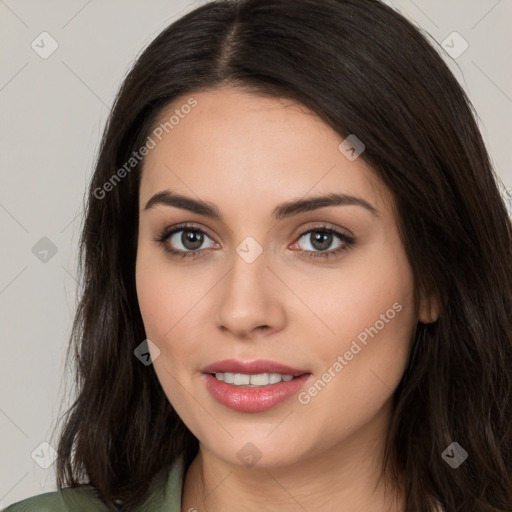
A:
<point x="346" y="242"/>
<point x="192" y="226"/>
<point x="325" y="225"/>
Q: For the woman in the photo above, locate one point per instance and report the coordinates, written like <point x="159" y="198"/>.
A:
<point x="293" y="217"/>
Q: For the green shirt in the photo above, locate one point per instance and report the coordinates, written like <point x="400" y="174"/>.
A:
<point x="164" y="495"/>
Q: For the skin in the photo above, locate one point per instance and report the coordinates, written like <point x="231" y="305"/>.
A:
<point x="245" y="154"/>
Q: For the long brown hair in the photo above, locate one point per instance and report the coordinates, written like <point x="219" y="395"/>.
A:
<point x="364" y="69"/>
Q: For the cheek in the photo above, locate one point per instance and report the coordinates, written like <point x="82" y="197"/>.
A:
<point x="165" y="291"/>
<point x="368" y="291"/>
<point x="371" y="309"/>
<point x="174" y="307"/>
<point x="152" y="284"/>
<point x="165" y="296"/>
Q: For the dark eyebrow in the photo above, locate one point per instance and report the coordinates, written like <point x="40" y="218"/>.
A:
<point x="284" y="210"/>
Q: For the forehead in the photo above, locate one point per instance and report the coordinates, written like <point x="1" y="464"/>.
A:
<point x="234" y="144"/>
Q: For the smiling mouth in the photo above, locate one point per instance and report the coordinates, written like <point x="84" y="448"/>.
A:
<point x="254" y="392"/>
<point x="253" y="380"/>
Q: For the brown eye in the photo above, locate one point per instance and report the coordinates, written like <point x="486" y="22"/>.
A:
<point x="188" y="240"/>
<point x="192" y="239"/>
<point x="185" y="241"/>
<point x="323" y="242"/>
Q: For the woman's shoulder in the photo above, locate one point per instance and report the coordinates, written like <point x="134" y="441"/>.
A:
<point x="77" y="498"/>
<point x="164" y="494"/>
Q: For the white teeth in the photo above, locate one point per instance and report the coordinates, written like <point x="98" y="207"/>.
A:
<point x="241" y="380"/>
<point x="274" y="378"/>
<point x="260" y="379"/>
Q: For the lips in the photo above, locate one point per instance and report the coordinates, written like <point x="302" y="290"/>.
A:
<point x="252" y="367"/>
<point x="257" y="399"/>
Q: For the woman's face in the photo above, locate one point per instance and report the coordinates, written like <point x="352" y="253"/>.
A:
<point x="268" y="281"/>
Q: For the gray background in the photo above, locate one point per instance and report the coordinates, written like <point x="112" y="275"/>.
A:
<point x="53" y="112"/>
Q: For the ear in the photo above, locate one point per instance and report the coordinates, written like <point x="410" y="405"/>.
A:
<point x="429" y="307"/>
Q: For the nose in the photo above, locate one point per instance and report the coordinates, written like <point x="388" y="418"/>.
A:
<point x="250" y="300"/>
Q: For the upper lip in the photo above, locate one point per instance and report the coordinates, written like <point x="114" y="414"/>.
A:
<point x="252" y="367"/>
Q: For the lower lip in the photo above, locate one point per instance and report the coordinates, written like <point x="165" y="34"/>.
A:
<point x="246" y="399"/>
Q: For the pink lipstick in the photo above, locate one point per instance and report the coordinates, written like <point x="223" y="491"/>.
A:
<point x="253" y="386"/>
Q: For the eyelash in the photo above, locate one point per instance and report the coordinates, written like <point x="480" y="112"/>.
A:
<point x="346" y="240"/>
